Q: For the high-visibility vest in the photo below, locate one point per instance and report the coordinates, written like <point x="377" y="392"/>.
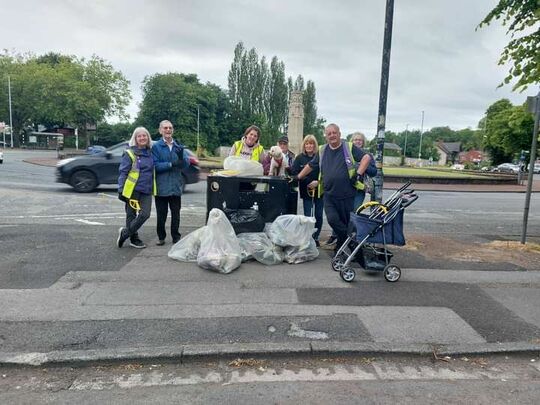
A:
<point x="133" y="176"/>
<point x="255" y="155"/>
<point x="349" y="161"/>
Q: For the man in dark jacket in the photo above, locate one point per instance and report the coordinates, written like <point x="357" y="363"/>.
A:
<point x="337" y="175"/>
<point x="169" y="160"/>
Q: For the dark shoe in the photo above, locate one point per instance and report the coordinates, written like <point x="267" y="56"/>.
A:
<point x="122" y="237"/>
<point x="160" y="242"/>
<point x="175" y="240"/>
<point x="331" y="240"/>
<point x="137" y="244"/>
<point x="317" y="243"/>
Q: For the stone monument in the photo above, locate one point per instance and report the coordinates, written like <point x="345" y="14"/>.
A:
<point x="295" y="130"/>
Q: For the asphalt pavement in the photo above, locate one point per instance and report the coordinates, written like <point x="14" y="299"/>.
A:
<point x="148" y="306"/>
<point x="155" y="307"/>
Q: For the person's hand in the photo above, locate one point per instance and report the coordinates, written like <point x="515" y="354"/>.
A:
<point x="293" y="178"/>
<point x="313" y="184"/>
<point x="121" y="197"/>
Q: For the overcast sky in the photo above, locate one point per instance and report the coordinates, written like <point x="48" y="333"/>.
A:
<point x="439" y="63"/>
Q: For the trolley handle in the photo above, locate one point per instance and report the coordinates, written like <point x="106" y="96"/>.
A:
<point x="403" y="187"/>
<point x="409" y="201"/>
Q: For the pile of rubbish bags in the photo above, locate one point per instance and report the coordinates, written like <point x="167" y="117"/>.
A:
<point x="217" y="247"/>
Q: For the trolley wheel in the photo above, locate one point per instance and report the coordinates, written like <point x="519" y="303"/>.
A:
<point x="347" y="274"/>
<point x="392" y="273"/>
<point x="338" y="263"/>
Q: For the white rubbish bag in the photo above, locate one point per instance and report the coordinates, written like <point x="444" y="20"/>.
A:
<point x="258" y="246"/>
<point x="244" y="167"/>
<point x="296" y="254"/>
<point x="187" y="248"/>
<point x="291" y="230"/>
<point x="220" y="250"/>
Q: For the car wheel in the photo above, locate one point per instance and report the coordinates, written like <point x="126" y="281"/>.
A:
<point x="83" y="181"/>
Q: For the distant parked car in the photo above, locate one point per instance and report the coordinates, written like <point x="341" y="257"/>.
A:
<point x="95" y="149"/>
<point x="458" y="166"/>
<point x="84" y="173"/>
<point x="537" y="167"/>
<point x="506" y="168"/>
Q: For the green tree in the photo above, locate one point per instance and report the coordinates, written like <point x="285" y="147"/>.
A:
<point x="310" y="108"/>
<point x="175" y="97"/>
<point x="111" y="134"/>
<point x="507" y="130"/>
<point x="56" y="89"/>
<point x="522" y="18"/>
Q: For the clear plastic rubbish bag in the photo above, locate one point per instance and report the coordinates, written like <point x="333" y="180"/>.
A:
<point x="296" y="254"/>
<point x="258" y="246"/>
<point x="187" y="248"/>
<point x="244" y="167"/>
<point x="291" y="230"/>
<point x="220" y="250"/>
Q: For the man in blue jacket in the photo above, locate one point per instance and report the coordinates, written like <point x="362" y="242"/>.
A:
<point x="169" y="160"/>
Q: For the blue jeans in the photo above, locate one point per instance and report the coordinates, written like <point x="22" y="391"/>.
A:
<point x="134" y="219"/>
<point x="319" y="205"/>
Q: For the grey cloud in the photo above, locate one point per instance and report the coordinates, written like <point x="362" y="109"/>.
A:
<point x="439" y="63"/>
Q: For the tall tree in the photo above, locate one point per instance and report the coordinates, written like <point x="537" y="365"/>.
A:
<point x="277" y="101"/>
<point x="310" y="108"/>
<point x="522" y="18"/>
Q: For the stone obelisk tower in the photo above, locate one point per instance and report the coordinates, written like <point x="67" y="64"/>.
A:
<point x="295" y="130"/>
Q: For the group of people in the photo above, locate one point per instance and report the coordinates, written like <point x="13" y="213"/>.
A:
<point x="148" y="170"/>
<point x="330" y="176"/>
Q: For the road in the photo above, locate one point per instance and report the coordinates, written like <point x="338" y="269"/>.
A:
<point x="297" y="380"/>
<point x="47" y="229"/>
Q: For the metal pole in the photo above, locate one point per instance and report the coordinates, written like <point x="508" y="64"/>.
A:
<point x="10" y="115"/>
<point x="536" y="109"/>
<point x="421" y="133"/>
<point x="197" y="129"/>
<point x="405" y="149"/>
<point x="3" y="128"/>
<point x="383" y="94"/>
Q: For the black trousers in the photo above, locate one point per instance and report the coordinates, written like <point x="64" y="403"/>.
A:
<point x="174" y="202"/>
<point x="338" y="215"/>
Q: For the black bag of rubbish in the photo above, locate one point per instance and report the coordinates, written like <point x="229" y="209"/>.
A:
<point x="245" y="220"/>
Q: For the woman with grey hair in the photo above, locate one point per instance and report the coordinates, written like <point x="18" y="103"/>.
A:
<point x="136" y="184"/>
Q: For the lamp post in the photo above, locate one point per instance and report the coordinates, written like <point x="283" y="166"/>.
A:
<point x="421" y="133"/>
<point x="534" y="107"/>
<point x="405" y="149"/>
<point x="10" y="115"/>
<point x="383" y="94"/>
<point x="198" y="149"/>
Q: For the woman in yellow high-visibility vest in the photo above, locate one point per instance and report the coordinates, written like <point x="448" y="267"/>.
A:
<point x="136" y="185"/>
<point x="249" y="147"/>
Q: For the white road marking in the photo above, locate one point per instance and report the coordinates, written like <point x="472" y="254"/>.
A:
<point x="153" y="379"/>
<point x="375" y="371"/>
<point x="84" y="221"/>
<point x="296" y="331"/>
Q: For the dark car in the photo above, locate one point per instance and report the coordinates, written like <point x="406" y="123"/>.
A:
<point x="95" y="149"/>
<point x="84" y="173"/>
